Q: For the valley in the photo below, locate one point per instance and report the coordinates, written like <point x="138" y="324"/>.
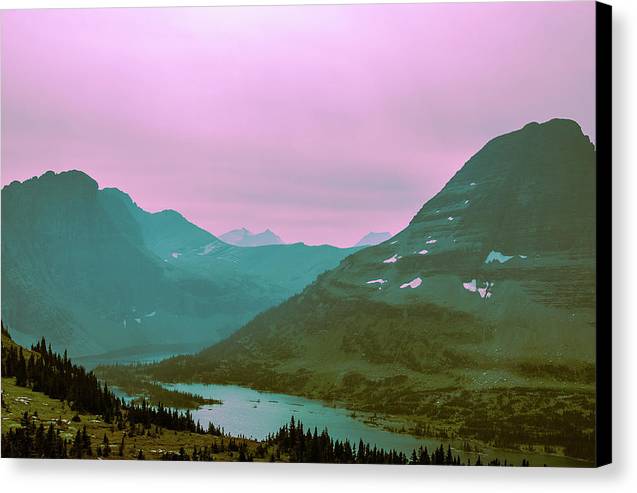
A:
<point x="106" y="276"/>
<point x="474" y="326"/>
<point x="477" y="320"/>
<point x="52" y="408"/>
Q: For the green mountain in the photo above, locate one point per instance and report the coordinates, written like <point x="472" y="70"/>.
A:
<point x="93" y="272"/>
<point x="491" y="284"/>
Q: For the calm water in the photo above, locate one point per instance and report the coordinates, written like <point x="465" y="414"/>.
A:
<point x="254" y="414"/>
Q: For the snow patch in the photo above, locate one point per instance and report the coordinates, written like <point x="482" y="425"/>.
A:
<point x="495" y="256"/>
<point x="466" y="202"/>
<point x="450" y="218"/>
<point x="175" y="255"/>
<point x="472" y="184"/>
<point x="151" y="314"/>
<point x="377" y="281"/>
<point x="484" y="291"/>
<point x="431" y="242"/>
<point x="393" y="242"/>
<point x="138" y="320"/>
<point x="423" y="252"/>
<point x="413" y="284"/>
<point x="392" y="260"/>
<point x="470" y="286"/>
<point x="207" y="249"/>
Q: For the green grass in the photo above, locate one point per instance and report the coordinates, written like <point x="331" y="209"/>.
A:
<point x="17" y="400"/>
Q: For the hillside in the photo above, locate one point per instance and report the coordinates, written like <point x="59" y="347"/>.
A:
<point x="500" y="265"/>
<point x="93" y="272"/>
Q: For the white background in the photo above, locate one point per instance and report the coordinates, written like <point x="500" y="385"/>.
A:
<point x="122" y="476"/>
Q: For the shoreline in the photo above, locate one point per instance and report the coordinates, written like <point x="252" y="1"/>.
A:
<point x="400" y="425"/>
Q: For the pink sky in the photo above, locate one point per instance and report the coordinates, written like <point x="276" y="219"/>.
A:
<point x="322" y="123"/>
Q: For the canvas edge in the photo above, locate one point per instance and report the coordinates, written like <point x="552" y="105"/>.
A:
<point x="603" y="127"/>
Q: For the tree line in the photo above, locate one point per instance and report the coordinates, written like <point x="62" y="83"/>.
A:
<point x="306" y="445"/>
<point x="294" y="443"/>
<point x="56" y="376"/>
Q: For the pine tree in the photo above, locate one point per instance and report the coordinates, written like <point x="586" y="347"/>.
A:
<point x="106" y="446"/>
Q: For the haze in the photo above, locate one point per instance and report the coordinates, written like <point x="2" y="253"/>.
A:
<point x="321" y="123"/>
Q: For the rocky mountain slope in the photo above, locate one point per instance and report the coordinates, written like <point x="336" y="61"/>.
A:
<point x="93" y="272"/>
<point x="491" y="284"/>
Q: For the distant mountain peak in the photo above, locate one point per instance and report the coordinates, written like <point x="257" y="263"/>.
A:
<point x="372" y="238"/>
<point x="245" y="238"/>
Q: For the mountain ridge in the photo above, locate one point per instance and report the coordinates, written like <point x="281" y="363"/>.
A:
<point x="92" y="271"/>
<point x="427" y="305"/>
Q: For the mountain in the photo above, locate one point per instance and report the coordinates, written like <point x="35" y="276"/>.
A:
<point x="492" y="283"/>
<point x="94" y="273"/>
<point x="371" y="239"/>
<point x="243" y="237"/>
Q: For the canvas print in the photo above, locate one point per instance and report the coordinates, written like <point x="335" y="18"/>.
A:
<point x="359" y="234"/>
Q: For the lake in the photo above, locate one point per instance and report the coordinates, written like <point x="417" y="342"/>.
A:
<point x="255" y="414"/>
